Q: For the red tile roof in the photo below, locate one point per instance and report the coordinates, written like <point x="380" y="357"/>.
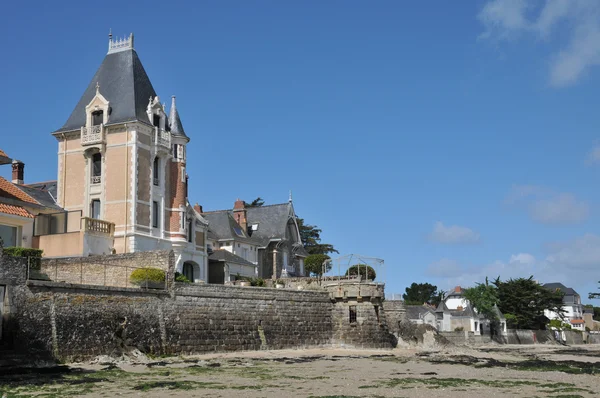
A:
<point x="12" y="191"/>
<point x="14" y="210"/>
<point x="577" y="321"/>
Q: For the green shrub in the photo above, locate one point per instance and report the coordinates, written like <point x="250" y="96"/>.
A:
<point x="260" y="282"/>
<point x="558" y="324"/>
<point x="459" y="329"/>
<point x="366" y="271"/>
<point x="179" y="277"/>
<point x="33" y="255"/>
<point x="23" y="252"/>
<point x="147" y="275"/>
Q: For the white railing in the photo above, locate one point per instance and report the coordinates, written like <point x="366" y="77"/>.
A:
<point x="92" y="134"/>
<point x="162" y="138"/>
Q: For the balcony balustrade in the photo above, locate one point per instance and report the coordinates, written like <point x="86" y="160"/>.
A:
<point x="91" y="135"/>
<point x="161" y="138"/>
<point x="98" y="226"/>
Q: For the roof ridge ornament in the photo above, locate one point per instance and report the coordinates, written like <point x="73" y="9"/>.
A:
<point x="126" y="43"/>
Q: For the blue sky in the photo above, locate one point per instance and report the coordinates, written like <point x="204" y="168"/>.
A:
<point x="454" y="140"/>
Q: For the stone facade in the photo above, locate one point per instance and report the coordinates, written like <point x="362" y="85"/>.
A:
<point x="113" y="270"/>
<point x="358" y="315"/>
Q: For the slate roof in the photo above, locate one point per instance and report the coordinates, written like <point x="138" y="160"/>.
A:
<point x="416" y="311"/>
<point x="28" y="194"/>
<point x="271" y="219"/>
<point x="124" y="83"/>
<point x="48" y="186"/>
<point x="467" y="311"/>
<point x="14" y="210"/>
<point x="221" y="225"/>
<point x="559" y="286"/>
<point x="175" y="121"/>
<point x="226" y="256"/>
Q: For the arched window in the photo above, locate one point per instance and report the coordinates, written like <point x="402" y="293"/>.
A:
<point x="96" y="168"/>
<point x="155" y="169"/>
<point x="188" y="271"/>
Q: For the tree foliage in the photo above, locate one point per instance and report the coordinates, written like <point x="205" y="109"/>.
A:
<point x="311" y="239"/>
<point x="258" y="202"/>
<point x="484" y="298"/>
<point x="314" y="264"/>
<point x="594" y="295"/>
<point x="420" y="293"/>
<point x="366" y="271"/>
<point x="523" y="301"/>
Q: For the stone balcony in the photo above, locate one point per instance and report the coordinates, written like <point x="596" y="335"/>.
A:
<point x="68" y="234"/>
<point x="161" y="138"/>
<point x="92" y="135"/>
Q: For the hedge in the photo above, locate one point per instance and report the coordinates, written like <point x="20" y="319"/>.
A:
<point x="23" y="252"/>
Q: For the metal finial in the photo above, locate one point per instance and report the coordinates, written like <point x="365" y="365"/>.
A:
<point x="290" y="199"/>
<point x="97" y="87"/>
<point x="110" y="34"/>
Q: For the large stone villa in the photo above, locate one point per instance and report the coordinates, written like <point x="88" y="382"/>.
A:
<point x="122" y="187"/>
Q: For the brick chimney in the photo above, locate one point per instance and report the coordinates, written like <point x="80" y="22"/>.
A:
<point x="18" y="172"/>
<point x="458" y="289"/>
<point x="198" y="208"/>
<point x="239" y="214"/>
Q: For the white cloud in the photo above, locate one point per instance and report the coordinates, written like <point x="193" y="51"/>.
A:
<point x="563" y="208"/>
<point x="444" y="268"/>
<point x="570" y="262"/>
<point x="579" y="254"/>
<point x="546" y="206"/>
<point x="453" y="234"/>
<point x="577" y="22"/>
<point x="594" y="156"/>
<point x="451" y="273"/>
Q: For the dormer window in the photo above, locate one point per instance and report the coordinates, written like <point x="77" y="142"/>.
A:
<point x="156" y="120"/>
<point x="155" y="168"/>
<point x="96" y="168"/>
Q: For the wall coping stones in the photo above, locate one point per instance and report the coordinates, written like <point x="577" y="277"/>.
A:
<point x="48" y="285"/>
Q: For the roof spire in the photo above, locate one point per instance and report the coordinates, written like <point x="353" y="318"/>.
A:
<point x="290" y="199"/>
<point x="175" y="121"/>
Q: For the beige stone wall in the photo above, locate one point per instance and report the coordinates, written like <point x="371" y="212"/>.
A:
<point x="464" y="323"/>
<point x="143" y="214"/>
<point x="116" y="137"/>
<point x="69" y="244"/>
<point x="75" y="179"/>
<point x="116" y="176"/>
<point x="144" y="170"/>
<point x="110" y="270"/>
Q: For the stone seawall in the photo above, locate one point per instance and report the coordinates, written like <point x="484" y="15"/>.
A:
<point x="74" y="321"/>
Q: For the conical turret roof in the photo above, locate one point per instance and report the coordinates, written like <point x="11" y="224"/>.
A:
<point x="123" y="81"/>
<point x="175" y="121"/>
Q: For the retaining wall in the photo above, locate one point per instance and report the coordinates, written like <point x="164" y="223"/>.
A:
<point x="75" y="321"/>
